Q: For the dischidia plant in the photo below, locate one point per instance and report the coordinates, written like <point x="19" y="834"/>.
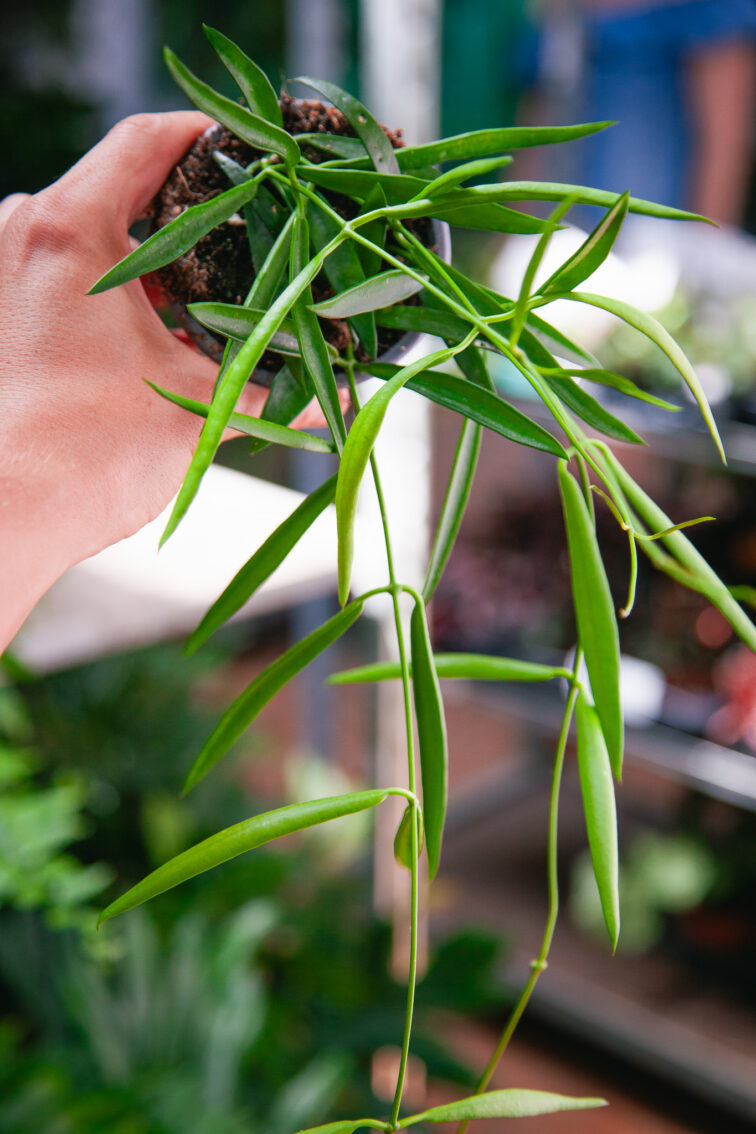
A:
<point x="346" y="206"/>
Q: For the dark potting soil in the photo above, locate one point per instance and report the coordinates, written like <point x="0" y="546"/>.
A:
<point x="219" y="267"/>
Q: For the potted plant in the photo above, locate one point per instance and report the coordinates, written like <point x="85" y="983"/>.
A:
<point x="345" y="246"/>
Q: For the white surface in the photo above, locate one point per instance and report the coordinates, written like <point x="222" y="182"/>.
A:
<point x="130" y="595"/>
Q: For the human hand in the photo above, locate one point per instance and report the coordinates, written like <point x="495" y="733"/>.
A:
<point x="88" y="452"/>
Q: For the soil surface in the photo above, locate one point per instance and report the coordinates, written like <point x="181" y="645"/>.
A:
<point x="219" y="267"/>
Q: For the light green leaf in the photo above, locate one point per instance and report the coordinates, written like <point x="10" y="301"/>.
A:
<point x="254" y="426"/>
<point x="621" y="384"/>
<point x="289" y="394"/>
<point x="652" y="329"/>
<point x="403" y="837"/>
<point x="250" y="127"/>
<point x="235" y="173"/>
<point x="382" y="290"/>
<point x="600" y="811"/>
<point x="361" y="120"/>
<point x="239" y="322"/>
<point x="348" y="1126"/>
<point x="236" y="840"/>
<point x="454" y="177"/>
<point x="510" y="1103"/>
<point x="455" y="501"/>
<point x="263" y="563"/>
<point x="591" y="253"/>
<point x="594" y="612"/>
<point x="479" y="143"/>
<point x="582" y="194"/>
<point x="474" y="402"/>
<point x="176" y="237"/>
<point x="259" y="692"/>
<point x="470" y="667"/>
<point x="253" y="83"/>
<point x="431" y="735"/>
<point x="337" y="145"/>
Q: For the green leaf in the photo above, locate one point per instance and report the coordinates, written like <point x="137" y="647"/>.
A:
<point x="600" y="809"/>
<point x="235" y="173"/>
<point x="652" y="329"/>
<point x="251" y="80"/>
<point x="348" y="1126"/>
<point x="622" y="385"/>
<point x="594" y="612"/>
<point x="335" y="144"/>
<point x="423" y="319"/>
<point x="343" y="269"/>
<point x="271" y="270"/>
<point x="455" y="501"/>
<point x="360" y="183"/>
<point x="536" y="323"/>
<point x="236" y="840"/>
<point x="238" y="323"/>
<point x="259" y="692"/>
<point x="253" y="426"/>
<point x="361" y="120"/>
<point x="470" y="667"/>
<point x="431" y="735"/>
<point x="510" y="1103"/>
<point x="474" y="402"/>
<point x="375" y="231"/>
<point x="460" y="173"/>
<point x="582" y="194"/>
<point x="382" y="290"/>
<point x="289" y="394"/>
<point x="472" y="363"/>
<point x="354" y="459"/>
<point x="176" y="237"/>
<point x="479" y="143"/>
<point x="312" y="345"/>
<point x="263" y="563"/>
<point x="592" y="412"/>
<point x="591" y="253"/>
<point x="250" y="127"/>
<point x="403" y="837"/>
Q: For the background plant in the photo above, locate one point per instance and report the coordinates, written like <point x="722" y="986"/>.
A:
<point x="373" y="262"/>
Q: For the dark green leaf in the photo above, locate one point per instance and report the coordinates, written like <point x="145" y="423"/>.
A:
<point x="360" y="183"/>
<point x="236" y="840"/>
<point x="586" y="407"/>
<point x="361" y="120"/>
<point x="238" y="323"/>
<point x="479" y="143"/>
<point x="453" y="177"/>
<point x="404" y="318"/>
<point x="259" y="692"/>
<point x="312" y="345"/>
<point x="403" y="837"/>
<point x="594" y="612"/>
<point x="343" y="269"/>
<point x="251" y="80"/>
<point x="600" y="809"/>
<point x="263" y="563"/>
<point x="236" y="173"/>
<point x="431" y="735"/>
<point x="455" y="502"/>
<point x="473" y="365"/>
<point x="510" y="1103"/>
<point x="536" y="323"/>
<point x="259" y="236"/>
<point x="652" y="329"/>
<point x="250" y="127"/>
<point x="380" y="291"/>
<point x="176" y="237"/>
<point x="591" y="253"/>
<point x="271" y="270"/>
<point x="375" y="231"/>
<point x="469" y="667"/>
<point x="335" y="144"/>
<point x="253" y="426"/>
<point x="479" y="405"/>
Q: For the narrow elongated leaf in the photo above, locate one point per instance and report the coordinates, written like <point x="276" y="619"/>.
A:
<point x="479" y="143"/>
<point x="470" y="667"/>
<point x="403" y="837"/>
<point x="253" y="83"/>
<point x="460" y="173"/>
<point x="236" y="840"/>
<point x="259" y="236"/>
<point x="255" y="697"/>
<point x="375" y="231"/>
<point x="236" y="173"/>
<point x="254" y="426"/>
<point x="289" y="394"/>
<point x="476" y="403"/>
<point x="263" y="563"/>
<point x="509" y="1103"/>
<point x="359" y="445"/>
<point x="269" y="274"/>
<point x="360" y="183"/>
<point x="380" y="291"/>
<point x="343" y="269"/>
<point x="591" y="253"/>
<point x="361" y="120"/>
<point x="652" y="329"/>
<point x="431" y="736"/>
<point x="250" y="127"/>
<point x="455" y="501"/>
<point x="586" y="407"/>
<point x="176" y="237"/>
<point x="239" y="322"/>
<point x="594" y="612"/>
<point x="600" y="809"/>
<point x="347" y="1126"/>
<point x="582" y="194"/>
<point x="537" y="323"/>
<point x="441" y="323"/>
<point x="622" y="385"/>
<point x="312" y="345"/>
<point x="337" y="145"/>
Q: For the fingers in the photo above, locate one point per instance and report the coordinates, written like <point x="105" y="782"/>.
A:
<point x="9" y="204"/>
<point x="114" y="183"/>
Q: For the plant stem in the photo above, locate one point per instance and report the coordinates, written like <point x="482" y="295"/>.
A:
<point x="541" y="961"/>
<point x="415" y="844"/>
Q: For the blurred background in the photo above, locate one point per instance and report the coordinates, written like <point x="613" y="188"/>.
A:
<point x="243" y="1001"/>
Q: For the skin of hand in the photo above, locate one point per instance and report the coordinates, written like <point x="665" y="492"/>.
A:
<point x="88" y="452"/>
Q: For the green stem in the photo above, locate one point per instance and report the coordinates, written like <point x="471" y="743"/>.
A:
<point x="395" y="589"/>
<point x="541" y="961"/>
